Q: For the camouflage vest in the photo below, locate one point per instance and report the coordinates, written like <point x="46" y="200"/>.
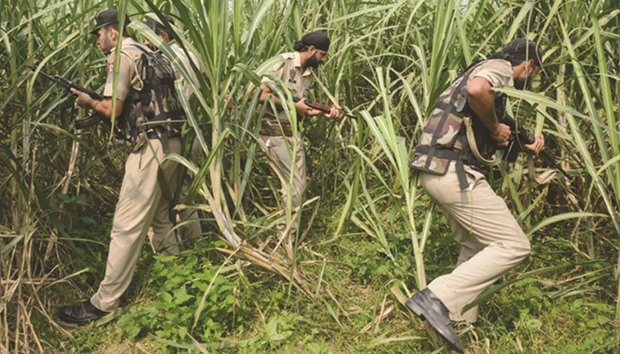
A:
<point x="154" y="111"/>
<point x="444" y="138"/>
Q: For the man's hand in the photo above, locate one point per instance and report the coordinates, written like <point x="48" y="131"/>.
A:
<point x="537" y="146"/>
<point x="102" y="107"/>
<point x="334" y="113"/>
<point x="482" y="102"/>
<point x="82" y="99"/>
<point x="303" y="109"/>
<point x="501" y="135"/>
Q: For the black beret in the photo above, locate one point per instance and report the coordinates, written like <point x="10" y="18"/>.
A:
<point x="106" y="18"/>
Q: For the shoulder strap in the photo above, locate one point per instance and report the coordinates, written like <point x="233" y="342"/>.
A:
<point x="135" y="67"/>
<point x="473" y="147"/>
<point x="447" y="109"/>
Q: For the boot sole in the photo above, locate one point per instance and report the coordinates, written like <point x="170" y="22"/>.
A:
<point x="419" y="311"/>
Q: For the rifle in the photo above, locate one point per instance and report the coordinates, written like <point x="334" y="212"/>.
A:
<point x="80" y="124"/>
<point x="521" y="137"/>
<point x="68" y="85"/>
<point x="322" y="107"/>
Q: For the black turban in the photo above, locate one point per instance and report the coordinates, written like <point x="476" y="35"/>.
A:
<point x="522" y="49"/>
<point x="318" y="39"/>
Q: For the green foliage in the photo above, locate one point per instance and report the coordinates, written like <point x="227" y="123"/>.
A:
<point x="89" y="339"/>
<point x="176" y="288"/>
<point x="372" y="227"/>
<point x="562" y="322"/>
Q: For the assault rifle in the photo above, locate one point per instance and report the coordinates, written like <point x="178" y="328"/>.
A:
<point x="80" y="124"/>
<point x="521" y="137"/>
<point x="68" y="85"/>
<point x="322" y="107"/>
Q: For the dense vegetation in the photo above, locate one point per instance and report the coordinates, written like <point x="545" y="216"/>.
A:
<point x="369" y="235"/>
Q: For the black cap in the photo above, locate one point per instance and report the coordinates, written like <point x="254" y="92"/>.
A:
<point x="106" y="18"/>
<point x="522" y="49"/>
<point x="318" y="39"/>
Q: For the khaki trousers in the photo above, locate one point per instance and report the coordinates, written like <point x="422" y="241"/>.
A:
<point x="188" y="228"/>
<point x="140" y="205"/>
<point x="287" y="159"/>
<point x="191" y="229"/>
<point x="491" y="240"/>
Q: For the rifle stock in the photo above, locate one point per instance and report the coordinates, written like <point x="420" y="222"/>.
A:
<point x="322" y="107"/>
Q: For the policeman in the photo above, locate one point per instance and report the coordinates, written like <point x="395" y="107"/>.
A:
<point x="285" y="150"/>
<point x="188" y="217"/>
<point x="185" y="58"/>
<point x="140" y="202"/>
<point x="454" y="175"/>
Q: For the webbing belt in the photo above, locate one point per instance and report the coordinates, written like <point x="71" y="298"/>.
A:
<point x="275" y="128"/>
<point x="452" y="155"/>
<point x="163" y="136"/>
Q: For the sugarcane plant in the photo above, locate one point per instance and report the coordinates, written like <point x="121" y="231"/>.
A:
<point x="388" y="63"/>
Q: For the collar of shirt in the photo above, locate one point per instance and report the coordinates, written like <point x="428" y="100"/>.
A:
<point x="127" y="42"/>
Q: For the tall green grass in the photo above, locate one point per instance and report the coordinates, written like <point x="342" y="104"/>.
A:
<point x="388" y="62"/>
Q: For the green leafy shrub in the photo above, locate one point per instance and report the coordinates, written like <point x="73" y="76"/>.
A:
<point x="190" y="296"/>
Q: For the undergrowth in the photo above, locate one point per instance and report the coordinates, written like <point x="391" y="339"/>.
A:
<point x="197" y="301"/>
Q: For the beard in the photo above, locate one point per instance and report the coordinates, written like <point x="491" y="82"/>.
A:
<point x="313" y="62"/>
<point x="522" y="83"/>
<point x="105" y="51"/>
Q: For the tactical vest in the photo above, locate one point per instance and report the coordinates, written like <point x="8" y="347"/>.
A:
<point x="444" y="140"/>
<point x="155" y="111"/>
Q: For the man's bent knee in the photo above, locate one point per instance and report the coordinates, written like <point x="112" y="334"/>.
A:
<point x="521" y="249"/>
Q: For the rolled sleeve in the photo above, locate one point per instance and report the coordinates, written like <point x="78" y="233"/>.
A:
<point x="497" y="72"/>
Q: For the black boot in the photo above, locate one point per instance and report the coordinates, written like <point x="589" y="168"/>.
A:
<point x="428" y="307"/>
<point x="81" y="314"/>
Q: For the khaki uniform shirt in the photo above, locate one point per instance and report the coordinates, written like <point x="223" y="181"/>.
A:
<point x="497" y="72"/>
<point x="298" y="82"/>
<point x="127" y="78"/>
<point x="186" y="62"/>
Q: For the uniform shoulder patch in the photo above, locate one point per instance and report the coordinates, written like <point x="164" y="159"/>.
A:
<point x="287" y="56"/>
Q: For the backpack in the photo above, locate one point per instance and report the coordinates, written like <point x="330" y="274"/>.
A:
<point x="155" y="109"/>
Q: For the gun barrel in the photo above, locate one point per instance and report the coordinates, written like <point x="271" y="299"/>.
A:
<point x="550" y="159"/>
<point x="66" y="83"/>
